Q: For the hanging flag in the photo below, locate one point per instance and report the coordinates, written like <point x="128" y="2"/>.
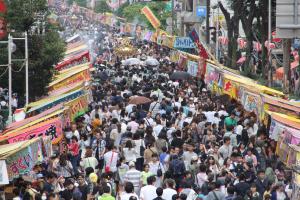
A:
<point x="202" y="51"/>
<point x="151" y="17"/>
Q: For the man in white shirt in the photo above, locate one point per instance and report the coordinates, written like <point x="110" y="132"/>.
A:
<point x="129" y="192"/>
<point x="169" y="191"/>
<point x="148" y="192"/>
<point x="148" y="120"/>
<point x="154" y="106"/>
<point x="134" y="176"/>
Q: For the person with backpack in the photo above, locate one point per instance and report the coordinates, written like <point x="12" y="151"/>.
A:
<point x="177" y="169"/>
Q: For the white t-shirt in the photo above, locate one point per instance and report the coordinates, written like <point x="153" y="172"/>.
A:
<point x="157" y="129"/>
<point x="168" y="193"/>
<point x="129" y="154"/>
<point x="148" y="192"/>
<point x="111" y="159"/>
<point x="149" y="121"/>
<point x="126" y="196"/>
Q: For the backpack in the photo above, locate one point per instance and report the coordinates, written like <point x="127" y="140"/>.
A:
<point x="177" y="167"/>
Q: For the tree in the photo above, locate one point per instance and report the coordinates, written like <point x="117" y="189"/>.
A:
<point x="102" y="7"/>
<point x="247" y="14"/>
<point x="44" y="50"/>
<point x="232" y="23"/>
<point x="21" y="14"/>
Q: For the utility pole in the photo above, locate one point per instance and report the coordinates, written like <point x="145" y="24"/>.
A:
<point x="270" y="75"/>
<point x="217" y="33"/>
<point x="207" y="22"/>
<point x="26" y="70"/>
<point x="286" y="64"/>
<point x="9" y="79"/>
<point x="10" y="50"/>
<point x="173" y="14"/>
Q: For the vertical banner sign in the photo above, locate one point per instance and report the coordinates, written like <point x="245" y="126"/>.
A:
<point x="78" y="107"/>
<point x="202" y="51"/>
<point x="151" y="17"/>
<point x="2" y="20"/>
<point x="23" y="161"/>
<point x="192" y="68"/>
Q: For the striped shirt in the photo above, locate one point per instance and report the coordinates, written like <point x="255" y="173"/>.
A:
<point x="134" y="176"/>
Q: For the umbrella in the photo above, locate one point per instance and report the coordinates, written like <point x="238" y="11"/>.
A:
<point x="152" y="62"/>
<point x="180" y="75"/>
<point x="139" y="100"/>
<point x="132" y="61"/>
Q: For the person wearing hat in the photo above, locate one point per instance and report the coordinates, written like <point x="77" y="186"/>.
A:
<point x="134" y="176"/>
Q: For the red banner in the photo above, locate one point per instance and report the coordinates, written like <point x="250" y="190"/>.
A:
<point x="75" y="60"/>
<point x="2" y="20"/>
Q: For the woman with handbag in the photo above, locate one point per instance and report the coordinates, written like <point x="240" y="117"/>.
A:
<point x="139" y="147"/>
<point x="89" y="160"/>
<point x="64" y="167"/>
<point x="156" y="168"/>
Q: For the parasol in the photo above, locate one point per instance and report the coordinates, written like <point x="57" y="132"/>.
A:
<point x="139" y="100"/>
<point x="180" y="75"/>
<point x="131" y="61"/>
<point x="152" y="62"/>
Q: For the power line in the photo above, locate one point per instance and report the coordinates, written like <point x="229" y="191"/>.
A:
<point x="4" y="72"/>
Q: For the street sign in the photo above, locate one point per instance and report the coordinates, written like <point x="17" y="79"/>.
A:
<point x="287" y="18"/>
<point x="201" y="11"/>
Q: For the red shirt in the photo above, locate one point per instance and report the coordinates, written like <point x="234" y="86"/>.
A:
<point x="74" y="148"/>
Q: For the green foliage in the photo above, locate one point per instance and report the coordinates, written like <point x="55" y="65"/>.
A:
<point x="102" y="7"/>
<point x="21" y="13"/>
<point x="79" y="2"/>
<point x="44" y="50"/>
<point x="133" y="13"/>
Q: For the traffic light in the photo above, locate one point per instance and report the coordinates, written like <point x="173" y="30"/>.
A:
<point x="213" y="34"/>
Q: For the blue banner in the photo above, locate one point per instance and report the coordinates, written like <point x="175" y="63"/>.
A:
<point x="184" y="43"/>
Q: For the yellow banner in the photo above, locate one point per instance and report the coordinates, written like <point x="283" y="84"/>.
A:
<point x="78" y="107"/>
<point x="80" y="77"/>
<point x="151" y="17"/>
<point x="230" y="88"/>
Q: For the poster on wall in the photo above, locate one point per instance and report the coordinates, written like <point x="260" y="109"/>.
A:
<point x="252" y="102"/>
<point x="230" y="88"/>
<point x="192" y="68"/>
<point x="212" y="76"/>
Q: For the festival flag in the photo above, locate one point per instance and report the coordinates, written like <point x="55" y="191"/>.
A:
<point x="202" y="51"/>
<point x="151" y="17"/>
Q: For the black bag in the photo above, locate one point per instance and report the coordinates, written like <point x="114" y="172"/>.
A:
<point x="159" y="171"/>
<point x="142" y="150"/>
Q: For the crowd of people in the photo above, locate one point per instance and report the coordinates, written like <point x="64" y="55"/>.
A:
<point x="186" y="144"/>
